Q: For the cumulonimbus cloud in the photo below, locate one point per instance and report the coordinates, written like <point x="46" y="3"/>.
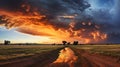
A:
<point x="53" y="18"/>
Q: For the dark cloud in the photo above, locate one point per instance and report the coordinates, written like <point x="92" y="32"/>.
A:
<point x="11" y="5"/>
<point x="113" y="38"/>
<point x="99" y="19"/>
<point x="109" y="19"/>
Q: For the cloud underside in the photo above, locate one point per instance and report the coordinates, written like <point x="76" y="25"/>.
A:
<point x="57" y="19"/>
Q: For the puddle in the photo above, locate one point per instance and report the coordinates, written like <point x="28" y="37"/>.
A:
<point x="66" y="58"/>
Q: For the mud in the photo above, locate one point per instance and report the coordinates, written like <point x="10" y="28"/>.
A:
<point x="64" y="57"/>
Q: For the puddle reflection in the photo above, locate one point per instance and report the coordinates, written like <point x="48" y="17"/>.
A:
<point x="66" y="58"/>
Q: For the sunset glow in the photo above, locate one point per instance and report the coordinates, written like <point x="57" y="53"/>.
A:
<point x="34" y="25"/>
<point x="38" y="21"/>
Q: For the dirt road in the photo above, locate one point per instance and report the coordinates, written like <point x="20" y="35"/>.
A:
<point x="63" y="57"/>
<point x="95" y="60"/>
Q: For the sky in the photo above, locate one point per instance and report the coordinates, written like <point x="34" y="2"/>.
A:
<point x="45" y="21"/>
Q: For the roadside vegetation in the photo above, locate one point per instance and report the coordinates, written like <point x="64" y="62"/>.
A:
<point x="18" y="51"/>
<point x="8" y="52"/>
<point x="108" y="50"/>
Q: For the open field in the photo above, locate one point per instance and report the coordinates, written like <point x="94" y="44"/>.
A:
<point x="60" y="56"/>
<point x="108" y="50"/>
<point x="17" y="51"/>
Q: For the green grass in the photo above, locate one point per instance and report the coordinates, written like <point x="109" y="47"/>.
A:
<point x="108" y="50"/>
<point x="16" y="51"/>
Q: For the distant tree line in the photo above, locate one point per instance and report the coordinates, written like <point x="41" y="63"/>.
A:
<point x="68" y="43"/>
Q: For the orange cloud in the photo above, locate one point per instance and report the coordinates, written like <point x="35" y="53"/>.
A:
<point x="38" y="25"/>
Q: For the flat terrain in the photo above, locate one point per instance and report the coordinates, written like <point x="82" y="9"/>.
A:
<point x="60" y="56"/>
<point x="9" y="52"/>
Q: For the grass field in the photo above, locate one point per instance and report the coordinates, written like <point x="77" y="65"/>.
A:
<point x="45" y="55"/>
<point x="16" y="51"/>
<point x="108" y="50"/>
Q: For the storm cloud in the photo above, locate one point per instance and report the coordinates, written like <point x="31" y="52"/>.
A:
<point x="70" y="15"/>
